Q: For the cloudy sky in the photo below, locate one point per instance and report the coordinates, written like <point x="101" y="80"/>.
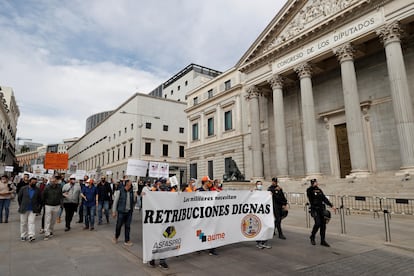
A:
<point x="66" y="60"/>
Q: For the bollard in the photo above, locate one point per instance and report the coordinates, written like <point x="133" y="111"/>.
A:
<point x="307" y="214"/>
<point x="342" y="216"/>
<point x="387" y="226"/>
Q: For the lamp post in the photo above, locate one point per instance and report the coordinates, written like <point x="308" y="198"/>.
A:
<point x="140" y="126"/>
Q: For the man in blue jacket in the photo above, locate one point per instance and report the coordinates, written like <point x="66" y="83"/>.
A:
<point x="29" y="199"/>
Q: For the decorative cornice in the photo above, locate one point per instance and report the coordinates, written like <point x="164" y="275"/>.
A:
<point x="390" y="33"/>
<point x="276" y="81"/>
<point x="344" y="52"/>
<point x="304" y="70"/>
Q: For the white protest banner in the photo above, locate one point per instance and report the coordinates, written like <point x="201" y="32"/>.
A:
<point x="179" y="223"/>
<point x="73" y="166"/>
<point x="108" y="172"/>
<point x="8" y="168"/>
<point x="38" y="169"/>
<point x="80" y="174"/>
<point x="157" y="169"/>
<point x="137" y="167"/>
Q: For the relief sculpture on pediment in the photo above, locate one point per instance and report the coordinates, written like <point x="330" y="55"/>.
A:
<point x="314" y="12"/>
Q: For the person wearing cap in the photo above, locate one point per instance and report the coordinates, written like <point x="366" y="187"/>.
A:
<point x="29" y="199"/>
<point x="82" y="183"/>
<point x="318" y="202"/>
<point x="279" y="204"/>
<point x="52" y="199"/>
<point x="90" y="196"/>
<point x="71" y="194"/>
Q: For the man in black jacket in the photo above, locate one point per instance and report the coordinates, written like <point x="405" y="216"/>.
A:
<point x="29" y="199"/>
<point x="52" y="198"/>
<point x="105" y="196"/>
<point x="317" y="202"/>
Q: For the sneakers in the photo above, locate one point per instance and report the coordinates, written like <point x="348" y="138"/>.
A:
<point x="151" y="263"/>
<point x="259" y="245"/>
<point x="58" y="220"/>
<point x="212" y="252"/>
<point x="264" y="245"/>
<point x="312" y="240"/>
<point x="67" y="229"/>
<point x="114" y="240"/>
<point x="51" y="234"/>
<point x="42" y="231"/>
<point x="324" y="243"/>
<point x="32" y="239"/>
<point x="46" y="238"/>
<point x="164" y="265"/>
<point x="128" y="243"/>
<point x="92" y="229"/>
<point x="23" y="239"/>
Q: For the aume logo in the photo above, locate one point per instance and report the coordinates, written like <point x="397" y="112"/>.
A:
<point x="204" y="238"/>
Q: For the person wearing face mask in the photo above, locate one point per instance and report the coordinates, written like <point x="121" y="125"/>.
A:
<point x="261" y="244"/>
<point x="29" y="199"/>
<point x="71" y="194"/>
<point x="279" y="204"/>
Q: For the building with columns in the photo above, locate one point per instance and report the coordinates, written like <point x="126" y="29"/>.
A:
<point x="327" y="89"/>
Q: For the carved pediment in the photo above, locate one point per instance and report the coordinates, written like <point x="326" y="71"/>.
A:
<point x="297" y="18"/>
<point x="310" y="15"/>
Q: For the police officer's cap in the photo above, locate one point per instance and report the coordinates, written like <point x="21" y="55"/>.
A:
<point x="313" y="181"/>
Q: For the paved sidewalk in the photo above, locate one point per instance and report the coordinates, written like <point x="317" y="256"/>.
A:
<point x="362" y="250"/>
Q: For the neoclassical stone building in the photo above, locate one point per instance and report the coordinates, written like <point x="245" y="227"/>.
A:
<point x="327" y="89"/>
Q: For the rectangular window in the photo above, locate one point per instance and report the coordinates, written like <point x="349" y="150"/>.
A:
<point x="181" y="130"/>
<point x="210" y="93"/>
<point x="119" y="133"/>
<point x="210" y="169"/>
<point x="228" y="123"/>
<point x="210" y="126"/>
<point x="108" y="156"/>
<point x="228" y="164"/>
<point x="132" y="126"/>
<point x="164" y="150"/>
<point x="125" y="130"/>
<point x="113" y="156"/>
<point x="148" y="148"/>
<point x="195" y="101"/>
<point x="195" y="131"/>
<point x="119" y="151"/>
<point x="124" y="152"/>
<point x="181" y="151"/>
<point x="130" y="149"/>
<point x="148" y="125"/>
<point x="227" y="85"/>
<point x="165" y="127"/>
<point x="193" y="170"/>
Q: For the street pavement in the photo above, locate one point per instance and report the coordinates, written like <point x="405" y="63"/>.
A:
<point x="362" y="250"/>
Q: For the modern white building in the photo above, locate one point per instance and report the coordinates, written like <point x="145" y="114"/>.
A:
<point x="189" y="78"/>
<point x="9" y="114"/>
<point x="144" y="127"/>
<point x="326" y="90"/>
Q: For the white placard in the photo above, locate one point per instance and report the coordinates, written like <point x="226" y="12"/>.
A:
<point x="38" y="169"/>
<point x="108" y="172"/>
<point x="8" y="168"/>
<point x="157" y="169"/>
<point x="174" y="181"/>
<point x="80" y="174"/>
<point x="137" y="167"/>
<point x="179" y="223"/>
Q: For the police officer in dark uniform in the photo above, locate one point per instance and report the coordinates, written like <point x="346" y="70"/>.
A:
<point x="318" y="202"/>
<point x="279" y="204"/>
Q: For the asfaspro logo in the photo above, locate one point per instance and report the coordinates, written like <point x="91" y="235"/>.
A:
<point x="207" y="238"/>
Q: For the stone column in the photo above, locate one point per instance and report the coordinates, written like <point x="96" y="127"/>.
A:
<point x="253" y="94"/>
<point x="359" y="162"/>
<point x="400" y="94"/>
<point x="304" y="72"/>
<point x="276" y="81"/>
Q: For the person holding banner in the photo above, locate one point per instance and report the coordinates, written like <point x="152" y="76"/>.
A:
<point x="122" y="207"/>
<point x="263" y="243"/>
<point x="207" y="185"/>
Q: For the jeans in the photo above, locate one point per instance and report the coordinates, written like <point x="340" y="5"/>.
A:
<point x="105" y="206"/>
<point x="4" y="204"/>
<point x="89" y="215"/>
<point x="123" y="218"/>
